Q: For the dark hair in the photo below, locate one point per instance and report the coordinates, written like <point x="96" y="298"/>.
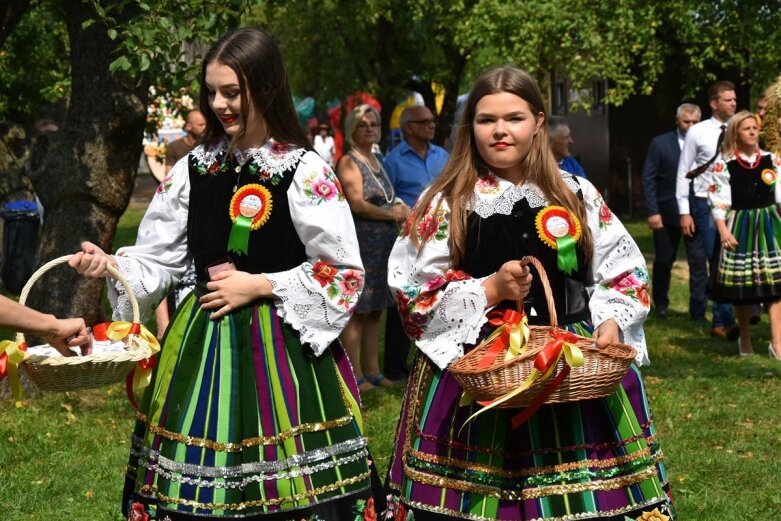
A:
<point x="457" y="180"/>
<point x="257" y="61"/>
<point x="715" y="90"/>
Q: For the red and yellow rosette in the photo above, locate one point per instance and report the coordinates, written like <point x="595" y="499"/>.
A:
<point x="768" y="176"/>
<point x="560" y="229"/>
<point x="142" y="374"/>
<point x="249" y="209"/>
<point x="12" y="354"/>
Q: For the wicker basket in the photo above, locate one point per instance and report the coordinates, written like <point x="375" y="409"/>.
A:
<point x="601" y="373"/>
<point x="61" y="373"/>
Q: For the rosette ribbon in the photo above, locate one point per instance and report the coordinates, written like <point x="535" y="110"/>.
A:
<point x="566" y="258"/>
<point x="238" y="241"/>
<point x="142" y="374"/>
<point x="562" y="343"/>
<point x="12" y="354"/>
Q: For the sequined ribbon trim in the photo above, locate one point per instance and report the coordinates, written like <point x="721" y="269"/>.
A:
<point x="535" y="480"/>
<point x="257" y="478"/>
<point x="562" y="467"/>
<point x="245" y="469"/>
<point x="571" y="517"/>
<point x="152" y="489"/>
<point x="531" y="493"/>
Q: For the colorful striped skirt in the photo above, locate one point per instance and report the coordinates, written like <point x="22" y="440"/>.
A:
<point x="242" y="421"/>
<point x="750" y="274"/>
<point x="594" y="459"/>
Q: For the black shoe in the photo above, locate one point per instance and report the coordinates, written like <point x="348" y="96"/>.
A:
<point x="661" y="313"/>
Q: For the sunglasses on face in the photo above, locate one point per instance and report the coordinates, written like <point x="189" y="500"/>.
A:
<point x="427" y="121"/>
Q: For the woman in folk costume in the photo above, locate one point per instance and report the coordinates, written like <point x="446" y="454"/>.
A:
<point x="501" y="198"/>
<point x="252" y="411"/>
<point x="744" y="195"/>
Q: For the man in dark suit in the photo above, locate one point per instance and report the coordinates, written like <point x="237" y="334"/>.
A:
<point x="659" y="177"/>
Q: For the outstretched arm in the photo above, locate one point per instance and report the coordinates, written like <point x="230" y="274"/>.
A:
<point x="59" y="333"/>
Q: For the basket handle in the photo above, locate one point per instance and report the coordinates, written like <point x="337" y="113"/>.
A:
<point x="533" y="261"/>
<point x="61" y="260"/>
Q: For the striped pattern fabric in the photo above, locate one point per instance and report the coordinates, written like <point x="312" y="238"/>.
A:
<point x="594" y="459"/>
<point x="241" y="420"/>
<point x="752" y="272"/>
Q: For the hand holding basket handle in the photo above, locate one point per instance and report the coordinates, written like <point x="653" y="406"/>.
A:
<point x="512" y="281"/>
<point x="92" y="261"/>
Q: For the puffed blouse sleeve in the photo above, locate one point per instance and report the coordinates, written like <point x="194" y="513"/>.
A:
<point x="719" y="190"/>
<point x="160" y="256"/>
<point x="618" y="272"/>
<point x="777" y="184"/>
<point x="441" y="309"/>
<point x="318" y="297"/>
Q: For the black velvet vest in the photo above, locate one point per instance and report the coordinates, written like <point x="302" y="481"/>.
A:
<point x="492" y="241"/>
<point x="748" y="189"/>
<point x="274" y="247"/>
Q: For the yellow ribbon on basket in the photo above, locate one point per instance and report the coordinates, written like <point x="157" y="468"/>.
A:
<point x="143" y="373"/>
<point x="562" y="344"/>
<point x="14" y="354"/>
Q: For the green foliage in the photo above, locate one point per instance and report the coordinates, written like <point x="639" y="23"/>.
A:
<point x="34" y="64"/>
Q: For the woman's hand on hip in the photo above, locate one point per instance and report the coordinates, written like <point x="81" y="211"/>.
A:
<point x="233" y="289"/>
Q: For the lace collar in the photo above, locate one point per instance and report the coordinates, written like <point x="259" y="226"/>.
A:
<point x="272" y="159"/>
<point x="493" y="194"/>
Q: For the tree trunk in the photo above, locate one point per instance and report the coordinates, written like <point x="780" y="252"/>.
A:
<point x="87" y="174"/>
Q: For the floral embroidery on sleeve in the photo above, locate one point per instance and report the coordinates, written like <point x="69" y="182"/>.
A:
<point x="432" y="226"/>
<point x="416" y="303"/>
<point x="165" y="184"/>
<point x="322" y="187"/>
<point x="605" y="215"/>
<point x="342" y="286"/>
<point x="633" y="284"/>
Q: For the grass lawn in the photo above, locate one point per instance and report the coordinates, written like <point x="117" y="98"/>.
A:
<point x="62" y="456"/>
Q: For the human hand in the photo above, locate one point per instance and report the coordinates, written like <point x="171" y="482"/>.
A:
<point x="233" y="289"/>
<point x="92" y="261"/>
<point x="655" y="222"/>
<point x="728" y="241"/>
<point x="512" y="282"/>
<point x="65" y="333"/>
<point x="607" y="333"/>
<point x="399" y="212"/>
<point x="687" y="225"/>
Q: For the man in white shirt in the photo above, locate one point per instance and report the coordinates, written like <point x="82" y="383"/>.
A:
<point x="700" y="149"/>
<point x="324" y="144"/>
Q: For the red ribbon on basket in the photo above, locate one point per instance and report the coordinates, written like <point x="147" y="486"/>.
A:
<point x="12" y="354"/>
<point x="140" y="376"/>
<point x="561" y="343"/>
<point x="512" y="335"/>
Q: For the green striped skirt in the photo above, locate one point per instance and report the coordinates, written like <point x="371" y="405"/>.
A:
<point x="241" y="420"/>
<point x="751" y="273"/>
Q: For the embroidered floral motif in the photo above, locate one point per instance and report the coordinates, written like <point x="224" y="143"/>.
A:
<point x="165" y="184"/>
<point x="364" y="510"/>
<point x="416" y="303"/>
<point x="718" y="167"/>
<point x="344" y="287"/>
<point x="487" y="184"/>
<point x="268" y="162"/>
<point x="396" y="510"/>
<point x="137" y="513"/>
<point x="654" y="515"/>
<point x="633" y="284"/>
<point x="432" y="225"/>
<point x="323" y="187"/>
<point x="605" y="215"/>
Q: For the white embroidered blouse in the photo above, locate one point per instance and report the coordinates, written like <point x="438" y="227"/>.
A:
<point x="315" y="298"/>
<point x="443" y="309"/>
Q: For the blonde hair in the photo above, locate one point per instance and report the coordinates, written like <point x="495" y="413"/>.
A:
<point x="458" y="179"/>
<point x="730" y="144"/>
<point x="354" y="119"/>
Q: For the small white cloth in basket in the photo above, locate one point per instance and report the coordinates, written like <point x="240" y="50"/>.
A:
<point x="98" y="347"/>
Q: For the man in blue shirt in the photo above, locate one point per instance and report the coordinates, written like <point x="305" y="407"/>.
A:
<point x="411" y="167"/>
<point x="416" y="161"/>
<point x="560" y="141"/>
